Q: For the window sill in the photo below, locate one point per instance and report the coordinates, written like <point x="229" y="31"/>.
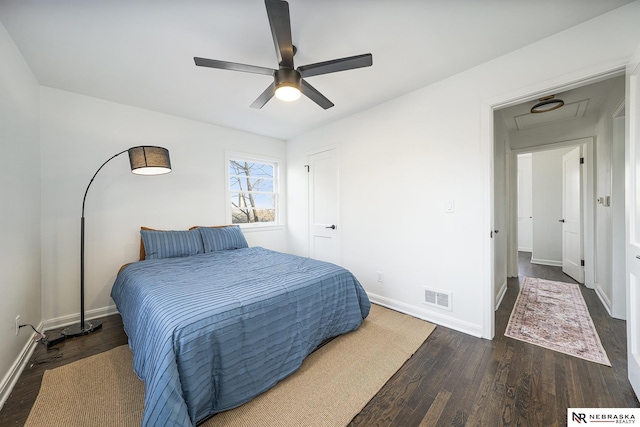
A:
<point x="255" y="228"/>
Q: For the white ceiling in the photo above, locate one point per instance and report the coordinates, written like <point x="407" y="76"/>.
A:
<point x="579" y="102"/>
<point x="141" y="52"/>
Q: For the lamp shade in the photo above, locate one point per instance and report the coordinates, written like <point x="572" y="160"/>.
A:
<point x="149" y="160"/>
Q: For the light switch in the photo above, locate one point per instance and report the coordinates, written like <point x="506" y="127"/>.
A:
<point x="449" y="206"/>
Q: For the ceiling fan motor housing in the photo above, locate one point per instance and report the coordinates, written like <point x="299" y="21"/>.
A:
<point x="287" y="77"/>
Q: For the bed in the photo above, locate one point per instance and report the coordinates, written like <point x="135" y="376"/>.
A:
<point x="212" y="328"/>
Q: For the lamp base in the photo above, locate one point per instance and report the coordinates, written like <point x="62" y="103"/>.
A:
<point x="78" y="330"/>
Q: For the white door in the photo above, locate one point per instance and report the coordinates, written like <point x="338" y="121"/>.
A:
<point x="632" y="155"/>
<point x="323" y="206"/>
<point x="572" y="215"/>
<point x="525" y="203"/>
<point x="500" y="168"/>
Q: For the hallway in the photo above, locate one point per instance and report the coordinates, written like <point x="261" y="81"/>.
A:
<point x="526" y="269"/>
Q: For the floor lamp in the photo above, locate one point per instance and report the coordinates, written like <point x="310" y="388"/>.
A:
<point x="144" y="160"/>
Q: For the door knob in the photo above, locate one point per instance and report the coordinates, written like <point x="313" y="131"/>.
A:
<point x="561" y="220"/>
<point x="496" y="231"/>
<point x="333" y="227"/>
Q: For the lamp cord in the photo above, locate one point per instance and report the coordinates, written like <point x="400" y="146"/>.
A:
<point x="40" y="337"/>
<point x="35" y="360"/>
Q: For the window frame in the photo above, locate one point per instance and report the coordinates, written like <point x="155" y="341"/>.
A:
<point x="252" y="158"/>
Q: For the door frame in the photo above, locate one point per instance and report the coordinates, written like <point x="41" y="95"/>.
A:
<point x="632" y="143"/>
<point x="488" y="106"/>
<point x="588" y="200"/>
<point x="618" y="214"/>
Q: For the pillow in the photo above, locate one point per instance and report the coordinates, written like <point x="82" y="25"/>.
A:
<point x="143" y="254"/>
<point x="171" y="244"/>
<point x="222" y="238"/>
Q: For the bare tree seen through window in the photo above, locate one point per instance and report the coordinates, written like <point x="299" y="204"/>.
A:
<point x="252" y="192"/>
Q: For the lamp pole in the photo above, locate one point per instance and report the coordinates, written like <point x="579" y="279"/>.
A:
<point x="84" y="328"/>
<point x="153" y="159"/>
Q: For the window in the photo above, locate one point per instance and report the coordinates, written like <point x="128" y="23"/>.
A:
<point x="253" y="191"/>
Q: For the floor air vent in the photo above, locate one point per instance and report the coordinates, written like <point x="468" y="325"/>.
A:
<point x="438" y="298"/>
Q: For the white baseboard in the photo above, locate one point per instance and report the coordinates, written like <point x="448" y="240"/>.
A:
<point x="500" y="296"/>
<point x="429" y="316"/>
<point x="11" y="378"/>
<point x="70" y="319"/>
<point x="551" y="262"/>
<point x="604" y="300"/>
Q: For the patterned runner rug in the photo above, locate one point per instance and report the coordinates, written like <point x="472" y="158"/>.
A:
<point x="554" y="315"/>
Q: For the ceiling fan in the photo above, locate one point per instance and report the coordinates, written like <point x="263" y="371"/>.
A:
<point x="288" y="82"/>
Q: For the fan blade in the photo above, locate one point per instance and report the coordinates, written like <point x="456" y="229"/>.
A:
<point x="233" y="66"/>
<point x="333" y="66"/>
<point x="280" y="23"/>
<point x="264" y="96"/>
<point x="313" y="94"/>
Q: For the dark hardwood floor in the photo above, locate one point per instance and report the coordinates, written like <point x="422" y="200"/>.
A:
<point x="452" y="380"/>
<point x="17" y="407"/>
<point x="458" y="380"/>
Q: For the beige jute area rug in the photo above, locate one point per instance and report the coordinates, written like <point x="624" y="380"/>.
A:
<point x="554" y="315"/>
<point x="330" y="388"/>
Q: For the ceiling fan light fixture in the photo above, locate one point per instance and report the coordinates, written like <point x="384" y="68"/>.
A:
<point x="547" y="103"/>
<point x="287" y="84"/>
<point x="287" y="93"/>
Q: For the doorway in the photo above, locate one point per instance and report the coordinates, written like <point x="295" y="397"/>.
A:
<point x="550" y="211"/>
<point x="515" y="133"/>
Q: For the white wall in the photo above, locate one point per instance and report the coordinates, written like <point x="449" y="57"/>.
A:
<point x="78" y="134"/>
<point x="402" y="160"/>
<point x="546" y="172"/>
<point x="399" y="165"/>
<point x="19" y="207"/>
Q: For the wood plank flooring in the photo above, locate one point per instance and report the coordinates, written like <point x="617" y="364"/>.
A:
<point x="16" y="409"/>
<point x="452" y="380"/>
<point x="458" y="380"/>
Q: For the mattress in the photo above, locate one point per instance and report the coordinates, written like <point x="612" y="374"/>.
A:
<point x="211" y="331"/>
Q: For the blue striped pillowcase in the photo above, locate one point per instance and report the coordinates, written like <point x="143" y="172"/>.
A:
<point x="222" y="238"/>
<point x="171" y="244"/>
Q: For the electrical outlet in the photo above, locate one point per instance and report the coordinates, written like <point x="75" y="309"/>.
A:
<point x="379" y="277"/>
<point x="17" y="324"/>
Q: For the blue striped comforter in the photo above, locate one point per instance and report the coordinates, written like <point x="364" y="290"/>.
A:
<point x="211" y="331"/>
